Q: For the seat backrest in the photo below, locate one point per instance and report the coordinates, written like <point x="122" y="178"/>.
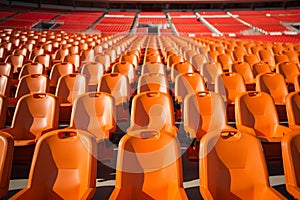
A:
<point x="4" y="85"/>
<point x="125" y="68"/>
<point x="6" y="158"/>
<point x="152" y="110"/>
<point x="251" y="59"/>
<point x="198" y="61"/>
<point x="44" y="59"/>
<point x="131" y="58"/>
<point x="36" y="52"/>
<point x="52" y="155"/>
<point x="279" y="58"/>
<point x="58" y="70"/>
<point x="297" y="83"/>
<point x="257" y="110"/>
<point x="289" y="70"/>
<point x="3" y="109"/>
<point x="227" y="175"/>
<point x="104" y="59"/>
<point x="138" y="176"/>
<point x="16" y="61"/>
<point x="267" y="56"/>
<point x="260" y="68"/>
<point x="293" y="55"/>
<point x="293" y="109"/>
<point x="34" y="113"/>
<point x="273" y="84"/>
<point x="291" y="163"/>
<point x="93" y="72"/>
<point x="153" y="68"/>
<point x="244" y="69"/>
<point x="31" y="68"/>
<point x="6" y="69"/>
<point x="181" y="68"/>
<point x="117" y="85"/>
<point x="172" y="59"/>
<point x="229" y="85"/>
<point x="238" y="54"/>
<point x="32" y="83"/>
<point x="225" y="60"/>
<point x="69" y="87"/>
<point x="210" y="71"/>
<point x="188" y="83"/>
<point x="204" y="112"/>
<point x="74" y="59"/>
<point x="94" y="112"/>
<point x="152" y="82"/>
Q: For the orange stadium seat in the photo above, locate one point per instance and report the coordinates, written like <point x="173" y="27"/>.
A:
<point x="293" y="109"/>
<point x="68" y="176"/>
<point x="291" y="162"/>
<point x="239" y="175"/>
<point x="6" y="152"/>
<point x="93" y="72"/>
<point x="138" y="177"/>
<point x="152" y="82"/>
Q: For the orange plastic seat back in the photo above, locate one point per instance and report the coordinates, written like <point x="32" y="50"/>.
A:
<point x="225" y="60"/>
<point x="232" y="166"/>
<point x="36" y="52"/>
<point x="291" y="162"/>
<point x="44" y="59"/>
<point x="32" y="83"/>
<point x="273" y="84"/>
<point x="6" y="69"/>
<point x="146" y="161"/>
<point x="181" y="68"/>
<point x="34" y="114"/>
<point x="16" y="61"/>
<point x="93" y="72"/>
<point x="58" y="70"/>
<point x="261" y="68"/>
<point x="297" y="83"/>
<point x="198" y="61"/>
<point x="57" y="168"/>
<point x="251" y="59"/>
<point x="210" y="71"/>
<point x="213" y="55"/>
<point x="69" y="87"/>
<point x="203" y="112"/>
<point x="74" y="59"/>
<point x="229" y="85"/>
<point x="152" y="82"/>
<point x="289" y="70"/>
<point x="125" y="68"/>
<point x="104" y="59"/>
<point x="4" y="85"/>
<point x="293" y="55"/>
<point x="172" y="59"/>
<point x="152" y="58"/>
<point x="244" y="69"/>
<point x="94" y="112"/>
<point x="279" y="58"/>
<point x="267" y="56"/>
<point x="153" y="68"/>
<point x="152" y="110"/>
<point x="31" y="68"/>
<point x="293" y="109"/>
<point x="238" y="54"/>
<point x="3" y="109"/>
<point x="6" y="158"/>
<point x="60" y="54"/>
<point x="117" y="85"/>
<point x="188" y="83"/>
<point x="257" y="110"/>
<point x="131" y="58"/>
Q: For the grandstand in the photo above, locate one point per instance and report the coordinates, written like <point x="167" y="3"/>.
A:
<point x="149" y="99"/>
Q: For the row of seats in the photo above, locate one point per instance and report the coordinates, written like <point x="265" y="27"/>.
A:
<point x="70" y="177"/>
